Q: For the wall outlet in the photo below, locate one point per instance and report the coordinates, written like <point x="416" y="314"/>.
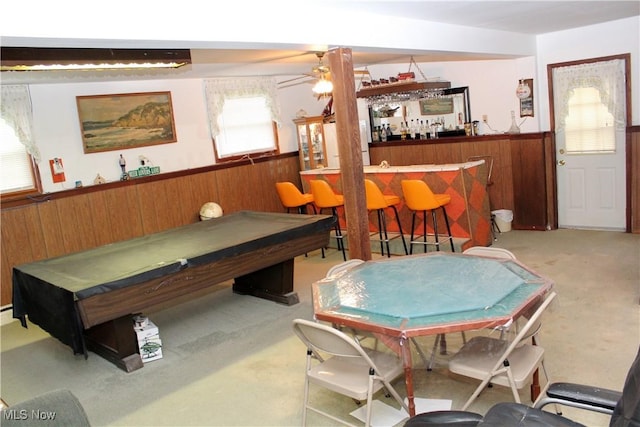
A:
<point x="485" y="119"/>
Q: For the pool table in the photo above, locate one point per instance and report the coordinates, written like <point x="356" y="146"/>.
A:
<point x="87" y="299"/>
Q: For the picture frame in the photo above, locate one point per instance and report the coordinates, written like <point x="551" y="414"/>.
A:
<point x="436" y="106"/>
<point x="526" y="104"/>
<point x="126" y="120"/>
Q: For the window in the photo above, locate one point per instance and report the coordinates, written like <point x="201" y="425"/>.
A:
<point x="589" y="126"/>
<point x="243" y="116"/>
<point x="18" y="152"/>
<point x="16" y="167"/>
<point x="245" y="128"/>
<point x="588" y="103"/>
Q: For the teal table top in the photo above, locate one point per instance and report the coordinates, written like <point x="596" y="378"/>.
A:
<point x="415" y="295"/>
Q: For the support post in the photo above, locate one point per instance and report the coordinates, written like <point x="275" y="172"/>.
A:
<point x="351" y="165"/>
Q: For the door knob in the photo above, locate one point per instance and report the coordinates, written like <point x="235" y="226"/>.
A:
<point x="561" y="151"/>
<point x="561" y="162"/>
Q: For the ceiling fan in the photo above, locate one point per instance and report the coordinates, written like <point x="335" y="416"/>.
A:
<point x="319" y="72"/>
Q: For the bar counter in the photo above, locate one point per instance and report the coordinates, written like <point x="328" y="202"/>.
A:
<point x="469" y="213"/>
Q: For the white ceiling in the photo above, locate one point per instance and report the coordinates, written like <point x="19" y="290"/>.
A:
<point x="529" y="17"/>
<point x="255" y="58"/>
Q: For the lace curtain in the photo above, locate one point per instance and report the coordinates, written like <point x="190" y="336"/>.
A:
<point x="217" y="90"/>
<point x="608" y="77"/>
<point x="16" y="111"/>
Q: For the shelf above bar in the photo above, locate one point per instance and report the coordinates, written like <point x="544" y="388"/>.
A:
<point x="400" y="88"/>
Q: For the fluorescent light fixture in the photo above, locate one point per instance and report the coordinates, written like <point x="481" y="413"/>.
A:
<point x="51" y="59"/>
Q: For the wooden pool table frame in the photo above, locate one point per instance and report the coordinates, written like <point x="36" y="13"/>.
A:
<point x="266" y="271"/>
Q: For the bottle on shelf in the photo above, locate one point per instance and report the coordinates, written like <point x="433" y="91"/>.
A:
<point x="423" y="130"/>
<point x="434" y="130"/>
<point x="383" y="134"/>
<point x="403" y="131"/>
<point x="375" y="135"/>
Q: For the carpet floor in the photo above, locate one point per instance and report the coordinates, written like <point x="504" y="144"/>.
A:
<point x="232" y="360"/>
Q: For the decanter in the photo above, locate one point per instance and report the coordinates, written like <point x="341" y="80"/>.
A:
<point x="514" y="127"/>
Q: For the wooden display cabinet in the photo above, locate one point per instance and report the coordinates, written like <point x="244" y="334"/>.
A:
<point x="311" y="142"/>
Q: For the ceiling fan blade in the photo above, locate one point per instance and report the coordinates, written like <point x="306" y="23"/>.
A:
<point x="297" y="78"/>
<point x="292" y="80"/>
<point x="320" y="71"/>
<point x="310" y="81"/>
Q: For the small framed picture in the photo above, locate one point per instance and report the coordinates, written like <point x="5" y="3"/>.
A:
<point x="526" y="104"/>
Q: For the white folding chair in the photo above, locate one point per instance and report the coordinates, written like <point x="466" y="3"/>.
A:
<point x="496" y="361"/>
<point x="489" y="251"/>
<point x="344" y="367"/>
<point x="343" y="266"/>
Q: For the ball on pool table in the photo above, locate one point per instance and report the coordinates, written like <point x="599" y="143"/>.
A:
<point x="210" y="210"/>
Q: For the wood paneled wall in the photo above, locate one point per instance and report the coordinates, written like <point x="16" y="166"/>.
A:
<point x="94" y="216"/>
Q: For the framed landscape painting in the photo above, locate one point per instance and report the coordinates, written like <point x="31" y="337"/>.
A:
<point x="122" y="121"/>
<point x="436" y="106"/>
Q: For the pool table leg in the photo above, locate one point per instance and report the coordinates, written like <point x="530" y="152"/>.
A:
<point x="274" y="283"/>
<point x="116" y="341"/>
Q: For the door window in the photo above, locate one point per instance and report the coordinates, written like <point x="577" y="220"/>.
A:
<point x="589" y="125"/>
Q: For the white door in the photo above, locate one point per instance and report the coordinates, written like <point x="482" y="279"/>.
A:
<point x="589" y="102"/>
<point x="591" y="187"/>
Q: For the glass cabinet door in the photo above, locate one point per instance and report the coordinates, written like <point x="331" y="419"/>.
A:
<point x="317" y="138"/>
<point x="311" y="142"/>
<point x="303" y="140"/>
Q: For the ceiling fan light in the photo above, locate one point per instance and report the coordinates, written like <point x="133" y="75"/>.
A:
<point x="323" y="86"/>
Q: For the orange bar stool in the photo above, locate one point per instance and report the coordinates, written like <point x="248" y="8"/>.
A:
<point x="377" y="201"/>
<point x="419" y="198"/>
<point x="325" y="198"/>
<point x="292" y="198"/>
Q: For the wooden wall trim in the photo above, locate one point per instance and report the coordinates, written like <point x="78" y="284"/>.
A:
<point x="551" y="182"/>
<point x="633" y="178"/>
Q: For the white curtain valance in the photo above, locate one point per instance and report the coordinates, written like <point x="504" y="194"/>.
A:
<point x="17" y="112"/>
<point x="218" y="90"/>
<point x="608" y="77"/>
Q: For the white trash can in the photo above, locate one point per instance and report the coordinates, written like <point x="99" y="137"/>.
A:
<point x="503" y="218"/>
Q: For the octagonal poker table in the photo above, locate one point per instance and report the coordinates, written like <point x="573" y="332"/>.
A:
<point x="427" y="294"/>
